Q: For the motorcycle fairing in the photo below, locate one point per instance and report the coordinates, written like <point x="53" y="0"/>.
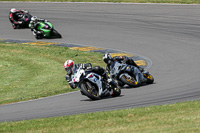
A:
<point x="96" y="79"/>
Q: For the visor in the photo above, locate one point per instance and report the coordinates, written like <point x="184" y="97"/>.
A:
<point x="68" y="69"/>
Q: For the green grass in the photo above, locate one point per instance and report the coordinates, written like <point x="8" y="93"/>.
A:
<point x="173" y="118"/>
<point x="121" y="1"/>
<point x="31" y="72"/>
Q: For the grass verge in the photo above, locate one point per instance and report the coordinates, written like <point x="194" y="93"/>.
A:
<point x="120" y="1"/>
<point x="173" y="118"/>
<point x="30" y="72"/>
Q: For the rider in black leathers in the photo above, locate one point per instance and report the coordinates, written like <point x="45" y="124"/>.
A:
<point x="108" y="59"/>
<point x="14" y="17"/>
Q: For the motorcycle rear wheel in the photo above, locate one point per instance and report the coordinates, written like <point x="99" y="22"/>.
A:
<point x="56" y="34"/>
<point x="90" y="90"/>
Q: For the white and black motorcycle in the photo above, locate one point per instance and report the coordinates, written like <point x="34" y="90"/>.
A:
<point x="127" y="74"/>
<point x="93" y="85"/>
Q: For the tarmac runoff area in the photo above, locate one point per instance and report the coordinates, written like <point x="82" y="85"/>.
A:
<point x="141" y="61"/>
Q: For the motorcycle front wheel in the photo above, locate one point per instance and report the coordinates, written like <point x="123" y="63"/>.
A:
<point x="90" y="90"/>
<point x="150" y="78"/>
<point x="131" y="82"/>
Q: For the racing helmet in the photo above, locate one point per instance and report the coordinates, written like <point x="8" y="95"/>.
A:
<point x="34" y="18"/>
<point x="13" y="10"/>
<point x="69" y="66"/>
<point x="107" y="58"/>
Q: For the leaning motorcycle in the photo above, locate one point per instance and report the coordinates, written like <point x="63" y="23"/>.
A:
<point x="93" y="85"/>
<point x="25" y="19"/>
<point x="122" y="73"/>
<point x="47" y="31"/>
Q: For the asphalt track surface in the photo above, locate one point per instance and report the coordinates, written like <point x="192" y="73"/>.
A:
<point x="169" y="35"/>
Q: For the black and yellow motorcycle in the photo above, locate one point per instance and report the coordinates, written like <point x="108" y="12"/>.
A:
<point x="130" y="75"/>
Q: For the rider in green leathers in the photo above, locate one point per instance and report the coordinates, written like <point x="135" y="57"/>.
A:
<point x="34" y="26"/>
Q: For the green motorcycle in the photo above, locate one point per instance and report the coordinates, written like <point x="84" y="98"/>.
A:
<point x="46" y="30"/>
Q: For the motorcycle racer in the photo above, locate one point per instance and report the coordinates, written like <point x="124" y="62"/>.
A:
<point x="14" y="17"/>
<point x="70" y="68"/>
<point x="35" y="21"/>
<point x="108" y="59"/>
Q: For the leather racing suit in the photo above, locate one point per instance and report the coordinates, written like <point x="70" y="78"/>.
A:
<point x="15" y="19"/>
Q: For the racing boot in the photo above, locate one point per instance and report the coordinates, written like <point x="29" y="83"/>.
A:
<point x="109" y="80"/>
<point x="14" y="26"/>
<point x="37" y="34"/>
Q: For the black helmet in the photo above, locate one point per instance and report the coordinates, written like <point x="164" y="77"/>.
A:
<point x="107" y="58"/>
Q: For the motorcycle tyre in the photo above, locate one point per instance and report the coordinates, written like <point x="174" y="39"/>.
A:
<point x="124" y="80"/>
<point x="86" y="91"/>
<point x="56" y="34"/>
<point x="150" y="78"/>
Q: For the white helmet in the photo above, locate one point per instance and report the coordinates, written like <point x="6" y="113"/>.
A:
<point x="34" y="18"/>
<point x="13" y="10"/>
<point x="69" y="66"/>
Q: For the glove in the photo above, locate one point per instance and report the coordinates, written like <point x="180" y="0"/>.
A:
<point x="141" y="69"/>
<point x="109" y="80"/>
<point x="82" y="66"/>
<point x="88" y="66"/>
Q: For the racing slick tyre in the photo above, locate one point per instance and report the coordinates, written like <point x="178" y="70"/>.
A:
<point x="149" y="77"/>
<point x="131" y="82"/>
<point x="56" y="34"/>
<point x="90" y="90"/>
